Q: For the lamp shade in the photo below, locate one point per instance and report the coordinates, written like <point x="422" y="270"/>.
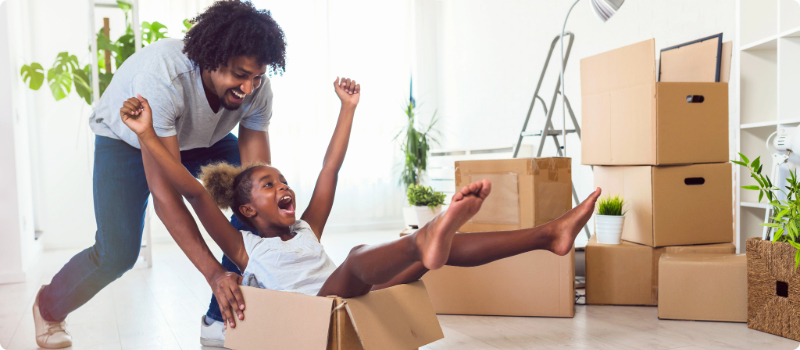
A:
<point x="604" y="9"/>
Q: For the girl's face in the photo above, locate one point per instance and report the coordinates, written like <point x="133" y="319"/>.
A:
<point x="271" y="197"/>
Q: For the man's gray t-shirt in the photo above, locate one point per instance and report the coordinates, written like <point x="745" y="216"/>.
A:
<point x="173" y="86"/>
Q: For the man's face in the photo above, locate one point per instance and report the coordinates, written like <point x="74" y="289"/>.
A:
<point x="240" y="77"/>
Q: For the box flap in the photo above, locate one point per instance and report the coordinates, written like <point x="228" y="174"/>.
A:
<point x="634" y="184"/>
<point x="725" y="62"/>
<point x="400" y="317"/>
<point x="697" y="61"/>
<point x="281" y="320"/>
<point x="618" y="106"/>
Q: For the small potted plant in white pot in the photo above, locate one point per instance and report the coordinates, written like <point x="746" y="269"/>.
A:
<point x="426" y="202"/>
<point x="609" y="220"/>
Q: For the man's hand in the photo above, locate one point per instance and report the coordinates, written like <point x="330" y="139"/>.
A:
<point x="348" y="91"/>
<point x="137" y="115"/>
<point x="225" y="286"/>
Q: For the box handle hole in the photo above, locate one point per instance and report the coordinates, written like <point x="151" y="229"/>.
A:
<point x="695" y="99"/>
<point x="782" y="289"/>
<point x="693" y="181"/>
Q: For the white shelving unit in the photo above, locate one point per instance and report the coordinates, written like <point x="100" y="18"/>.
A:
<point x="768" y="91"/>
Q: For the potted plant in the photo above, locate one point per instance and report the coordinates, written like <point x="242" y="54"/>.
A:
<point x="415" y="144"/>
<point x="609" y="219"/>
<point x="425" y="201"/>
<point x="773" y="281"/>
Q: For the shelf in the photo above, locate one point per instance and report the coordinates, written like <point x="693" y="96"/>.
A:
<point x="755" y="205"/>
<point x="770" y="43"/>
<point x="769" y="123"/>
<point x="791" y="33"/>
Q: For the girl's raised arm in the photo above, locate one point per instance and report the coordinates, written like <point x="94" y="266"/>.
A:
<point x="316" y="215"/>
<point x="136" y="114"/>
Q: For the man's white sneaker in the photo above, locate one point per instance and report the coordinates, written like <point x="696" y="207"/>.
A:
<point x="49" y="335"/>
<point x="212" y="335"/>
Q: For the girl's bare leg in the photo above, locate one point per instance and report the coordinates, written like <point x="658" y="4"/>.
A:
<point x="429" y="247"/>
<point x="478" y="248"/>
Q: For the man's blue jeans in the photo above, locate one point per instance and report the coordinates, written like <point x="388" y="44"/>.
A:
<point x="120" y="199"/>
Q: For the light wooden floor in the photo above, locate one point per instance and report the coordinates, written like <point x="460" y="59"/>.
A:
<point x="160" y="308"/>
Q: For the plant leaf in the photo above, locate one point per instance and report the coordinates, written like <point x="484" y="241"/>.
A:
<point x="744" y="159"/>
<point x="60" y="83"/>
<point x="751" y="187"/>
<point x="83" y="83"/>
<point x="33" y="75"/>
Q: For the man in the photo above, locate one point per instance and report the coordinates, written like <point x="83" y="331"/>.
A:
<point x="199" y="89"/>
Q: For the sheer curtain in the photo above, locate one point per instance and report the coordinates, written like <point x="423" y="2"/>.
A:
<point x="365" y="40"/>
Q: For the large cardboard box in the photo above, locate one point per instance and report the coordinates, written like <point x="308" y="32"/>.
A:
<point x="537" y="283"/>
<point x="399" y="317"/>
<point x="710" y="287"/>
<point x="672" y="205"/>
<point x="630" y="119"/>
<point x="526" y="192"/>
<point x="627" y="273"/>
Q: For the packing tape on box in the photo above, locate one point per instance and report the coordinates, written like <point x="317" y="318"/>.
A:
<point x="502" y="206"/>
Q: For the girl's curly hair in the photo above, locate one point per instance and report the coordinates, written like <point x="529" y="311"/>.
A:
<point x="232" y="28"/>
<point x="229" y="186"/>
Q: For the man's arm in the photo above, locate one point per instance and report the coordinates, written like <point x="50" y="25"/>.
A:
<point x="180" y="224"/>
<point x="254" y="146"/>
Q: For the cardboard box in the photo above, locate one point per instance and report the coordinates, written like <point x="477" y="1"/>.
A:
<point x="627" y="273"/>
<point x="526" y="192"/>
<point x="399" y="317"/>
<point x="672" y="205"/>
<point x="711" y="287"/>
<point x="630" y="119"/>
<point x="537" y="283"/>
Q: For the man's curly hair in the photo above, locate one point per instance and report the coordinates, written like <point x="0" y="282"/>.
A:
<point x="232" y="28"/>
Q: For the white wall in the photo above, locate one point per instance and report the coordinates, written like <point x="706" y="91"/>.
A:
<point x="479" y="61"/>
<point x="16" y="196"/>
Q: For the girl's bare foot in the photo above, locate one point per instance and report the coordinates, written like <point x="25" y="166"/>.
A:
<point x="434" y="239"/>
<point x="570" y="224"/>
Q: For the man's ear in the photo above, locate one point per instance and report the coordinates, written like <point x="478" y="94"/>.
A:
<point x="247" y="210"/>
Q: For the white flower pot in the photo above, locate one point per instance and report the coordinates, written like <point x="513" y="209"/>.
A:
<point x="608" y="228"/>
<point x="410" y="216"/>
<point x="425" y="214"/>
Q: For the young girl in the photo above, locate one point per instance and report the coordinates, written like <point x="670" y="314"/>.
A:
<point x="287" y="254"/>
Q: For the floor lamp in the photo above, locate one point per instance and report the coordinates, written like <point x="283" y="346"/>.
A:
<point x="604" y="9"/>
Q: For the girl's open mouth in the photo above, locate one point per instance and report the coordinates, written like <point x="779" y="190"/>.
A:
<point x="286" y="205"/>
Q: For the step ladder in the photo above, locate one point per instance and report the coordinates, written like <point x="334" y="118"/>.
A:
<point x="547" y="131"/>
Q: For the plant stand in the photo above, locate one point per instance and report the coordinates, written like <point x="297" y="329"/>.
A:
<point x="773" y="288"/>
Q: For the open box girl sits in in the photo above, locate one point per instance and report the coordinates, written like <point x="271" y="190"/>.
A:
<point x="287" y="254"/>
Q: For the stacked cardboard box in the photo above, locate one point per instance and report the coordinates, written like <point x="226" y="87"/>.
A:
<point x="663" y="147"/>
<point x="525" y="193"/>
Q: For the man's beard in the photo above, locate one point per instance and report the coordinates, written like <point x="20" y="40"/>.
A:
<point x="225" y="105"/>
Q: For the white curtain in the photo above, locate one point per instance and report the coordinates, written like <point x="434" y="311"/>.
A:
<point x="365" y="40"/>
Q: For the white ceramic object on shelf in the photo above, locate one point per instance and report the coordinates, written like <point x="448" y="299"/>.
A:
<point x="425" y="214"/>
<point x="410" y="216"/>
<point x="608" y="228"/>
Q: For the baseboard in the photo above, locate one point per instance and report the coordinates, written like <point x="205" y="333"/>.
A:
<point x="12" y="277"/>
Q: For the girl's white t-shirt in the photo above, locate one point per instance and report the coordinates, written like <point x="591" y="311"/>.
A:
<point x="299" y="265"/>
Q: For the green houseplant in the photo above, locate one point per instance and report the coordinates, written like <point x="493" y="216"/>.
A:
<point x="785" y="224"/>
<point x="66" y="71"/>
<point x="610" y="219"/>
<point x="416" y="143"/>
<point x="425" y="201"/>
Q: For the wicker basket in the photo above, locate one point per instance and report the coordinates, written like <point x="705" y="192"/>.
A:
<point x="773" y="288"/>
